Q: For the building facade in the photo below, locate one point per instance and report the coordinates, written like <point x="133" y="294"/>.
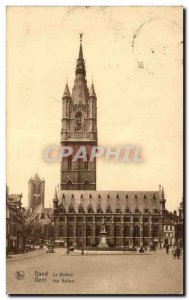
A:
<point x="15" y="222"/>
<point x="131" y="218"/>
<point x="36" y="192"/>
<point x="168" y="233"/>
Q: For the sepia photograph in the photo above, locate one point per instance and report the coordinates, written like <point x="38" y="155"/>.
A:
<point x="94" y="149"/>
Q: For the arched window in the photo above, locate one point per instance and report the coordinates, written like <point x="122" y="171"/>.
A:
<point x="136" y="231"/>
<point x="90" y="209"/>
<point x="78" y="117"/>
<point x="80" y="209"/>
<point x="86" y="185"/>
<point x="38" y="189"/>
<point x="71" y="209"/>
<point x="61" y="209"/>
<point x="117" y="231"/>
<point x="69" y="185"/>
<point x="146" y="231"/>
<point x="155" y="231"/>
<point x="69" y="163"/>
<point x="98" y="229"/>
<point x="89" y="230"/>
<point x="61" y="231"/>
<point x="99" y="209"/>
<point x="126" y="230"/>
<point x="80" y="230"/>
<point x="108" y="209"/>
<point x="70" y="230"/>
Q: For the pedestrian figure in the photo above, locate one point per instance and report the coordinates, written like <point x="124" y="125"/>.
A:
<point x="174" y="253"/>
<point x="167" y="249"/>
<point x="178" y="252"/>
<point x="141" y="250"/>
<point x="145" y="248"/>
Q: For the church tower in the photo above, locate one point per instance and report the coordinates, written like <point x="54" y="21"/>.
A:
<point x="79" y="128"/>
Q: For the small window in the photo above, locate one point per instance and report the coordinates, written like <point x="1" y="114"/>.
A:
<point x="99" y="219"/>
<point x="136" y="211"/>
<point x="155" y="220"/>
<point x="108" y="210"/>
<point x="99" y="210"/>
<point x="127" y="211"/>
<point x="117" y="219"/>
<point x="136" y="219"/>
<point x="118" y="210"/>
<point x="145" y="219"/>
<point x="90" y="210"/>
<point x="155" y="211"/>
<point x="89" y="219"/>
<point x="127" y="220"/>
<point x="108" y="219"/>
<point x="71" y="210"/>
<point x="146" y="211"/>
<point x="80" y="210"/>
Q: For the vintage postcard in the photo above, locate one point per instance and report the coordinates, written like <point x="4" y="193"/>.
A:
<point x="94" y="195"/>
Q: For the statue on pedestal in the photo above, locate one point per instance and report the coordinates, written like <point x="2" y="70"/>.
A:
<point x="103" y="236"/>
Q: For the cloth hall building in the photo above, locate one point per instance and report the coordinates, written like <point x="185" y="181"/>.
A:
<point x="131" y="218"/>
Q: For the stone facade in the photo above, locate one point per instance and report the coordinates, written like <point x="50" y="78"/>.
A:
<point x="15" y="229"/>
<point x="131" y="218"/>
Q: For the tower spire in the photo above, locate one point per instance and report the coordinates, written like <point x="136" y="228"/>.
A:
<point x="80" y="65"/>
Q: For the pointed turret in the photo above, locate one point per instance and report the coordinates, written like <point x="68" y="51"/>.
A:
<point x="66" y="92"/>
<point x="162" y="201"/>
<point x="55" y="202"/>
<point x="92" y="91"/>
<point x="55" y="194"/>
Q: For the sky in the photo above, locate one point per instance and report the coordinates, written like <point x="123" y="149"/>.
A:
<point x="134" y="56"/>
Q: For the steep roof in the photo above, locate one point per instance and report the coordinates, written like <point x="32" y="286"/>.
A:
<point x="116" y="199"/>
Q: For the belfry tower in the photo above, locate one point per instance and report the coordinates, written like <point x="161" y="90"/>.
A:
<point x="79" y="128"/>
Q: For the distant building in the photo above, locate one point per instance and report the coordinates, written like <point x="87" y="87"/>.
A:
<point x="15" y="229"/>
<point x="168" y="233"/>
<point x="36" y="192"/>
<point x="38" y="225"/>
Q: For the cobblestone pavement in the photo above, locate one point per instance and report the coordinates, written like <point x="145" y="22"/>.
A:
<point x="156" y="273"/>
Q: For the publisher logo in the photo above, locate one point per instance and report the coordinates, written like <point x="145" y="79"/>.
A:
<point x="19" y="275"/>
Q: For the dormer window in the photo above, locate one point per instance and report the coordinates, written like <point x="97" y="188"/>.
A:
<point x="90" y="210"/>
<point x="99" y="210"/>
<point x="108" y="210"/>
<point x="71" y="209"/>
<point x="80" y="209"/>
